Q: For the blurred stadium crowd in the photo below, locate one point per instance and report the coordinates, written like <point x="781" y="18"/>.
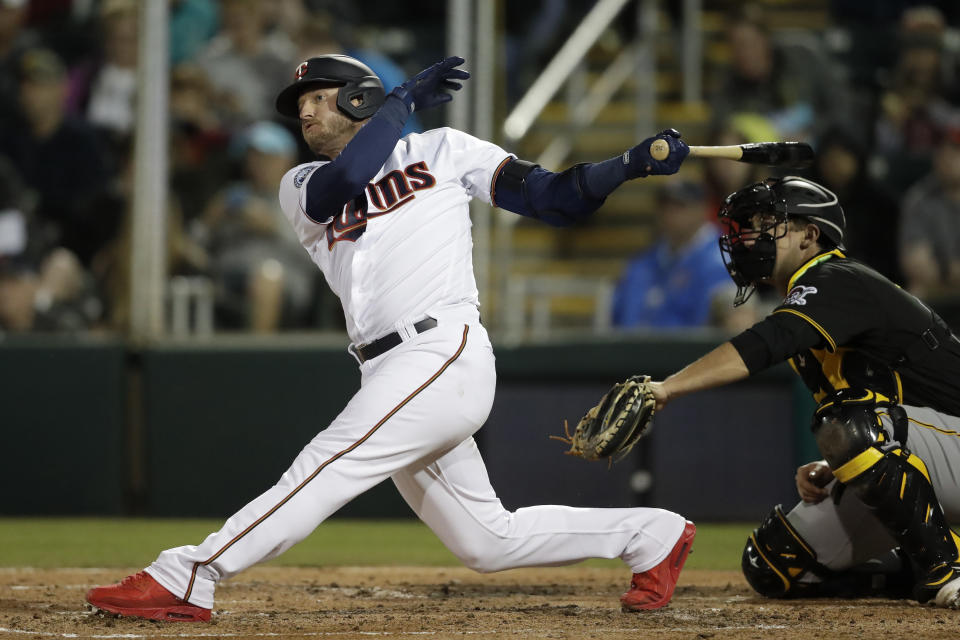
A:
<point x="878" y="92"/>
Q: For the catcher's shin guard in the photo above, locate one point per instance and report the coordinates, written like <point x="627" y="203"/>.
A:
<point x="896" y="487"/>
<point x="776" y="557"/>
<point x="778" y="563"/>
<point x="894" y="484"/>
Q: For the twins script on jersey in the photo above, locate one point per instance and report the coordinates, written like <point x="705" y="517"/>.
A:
<point x="403" y="246"/>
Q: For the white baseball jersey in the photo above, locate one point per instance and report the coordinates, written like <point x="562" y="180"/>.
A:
<point x="406" y="250"/>
<point x="402" y="254"/>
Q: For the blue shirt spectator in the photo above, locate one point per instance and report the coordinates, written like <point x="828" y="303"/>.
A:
<point x="193" y="23"/>
<point x="675" y="282"/>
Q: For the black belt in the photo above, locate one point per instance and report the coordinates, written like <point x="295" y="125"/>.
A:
<point x="380" y="346"/>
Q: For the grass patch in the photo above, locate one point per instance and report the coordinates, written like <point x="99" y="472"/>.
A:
<point x="135" y="542"/>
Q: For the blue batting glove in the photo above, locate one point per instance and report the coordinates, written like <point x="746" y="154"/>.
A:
<point x="429" y="87"/>
<point x="640" y="164"/>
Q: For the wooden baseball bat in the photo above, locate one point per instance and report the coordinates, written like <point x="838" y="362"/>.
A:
<point x="774" y="154"/>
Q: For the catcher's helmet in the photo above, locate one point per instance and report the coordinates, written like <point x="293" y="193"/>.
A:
<point x="754" y="211"/>
<point x="355" y="79"/>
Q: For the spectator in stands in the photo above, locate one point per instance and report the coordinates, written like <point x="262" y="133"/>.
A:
<point x="199" y="158"/>
<point x="930" y="224"/>
<point x="912" y="109"/>
<point x="264" y="278"/>
<point x="247" y="63"/>
<point x="870" y="209"/>
<point x="792" y="85"/>
<point x="287" y="16"/>
<point x="724" y="177"/>
<point x="102" y="90"/>
<point x="862" y="33"/>
<point x="59" y="157"/>
<point x="42" y="287"/>
<point x="111" y="266"/>
<point x="68" y="27"/>
<point x="681" y="281"/>
<point x="192" y="24"/>
<point x="58" y="296"/>
<point x="14" y="40"/>
<point x="929" y="21"/>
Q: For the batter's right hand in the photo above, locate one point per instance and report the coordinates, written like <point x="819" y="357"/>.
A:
<point x="812" y="478"/>
<point x="640" y="164"/>
<point x="429" y="87"/>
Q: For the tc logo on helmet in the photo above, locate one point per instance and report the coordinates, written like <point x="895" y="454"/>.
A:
<point x="301" y="70"/>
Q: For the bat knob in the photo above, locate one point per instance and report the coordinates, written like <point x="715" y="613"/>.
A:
<point x="659" y="149"/>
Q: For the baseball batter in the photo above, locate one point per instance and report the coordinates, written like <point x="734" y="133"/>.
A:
<point x="386" y="220"/>
<point x="885" y="370"/>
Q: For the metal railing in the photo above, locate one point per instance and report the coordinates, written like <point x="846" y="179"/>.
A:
<point x="148" y="256"/>
<point x="584" y="106"/>
<point x="560" y="67"/>
<point x="530" y="299"/>
<point x="191" y="306"/>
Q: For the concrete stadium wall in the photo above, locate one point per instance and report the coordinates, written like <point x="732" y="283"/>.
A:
<point x="192" y="429"/>
<point x="62" y="410"/>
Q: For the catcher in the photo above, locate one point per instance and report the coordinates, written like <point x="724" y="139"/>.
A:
<point x="885" y="370"/>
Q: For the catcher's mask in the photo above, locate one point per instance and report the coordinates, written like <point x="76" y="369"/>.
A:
<point x="750" y="217"/>
<point x="355" y="79"/>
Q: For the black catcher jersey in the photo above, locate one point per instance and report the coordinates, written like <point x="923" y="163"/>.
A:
<point x="874" y="334"/>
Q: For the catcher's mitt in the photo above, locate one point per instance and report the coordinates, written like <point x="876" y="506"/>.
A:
<point x="613" y="427"/>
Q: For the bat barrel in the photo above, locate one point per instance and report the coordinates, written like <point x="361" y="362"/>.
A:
<point x="790" y="154"/>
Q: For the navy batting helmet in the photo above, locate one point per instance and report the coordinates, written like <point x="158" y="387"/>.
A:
<point x="355" y="79"/>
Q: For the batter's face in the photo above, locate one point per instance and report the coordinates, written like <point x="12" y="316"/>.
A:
<point x="325" y="128"/>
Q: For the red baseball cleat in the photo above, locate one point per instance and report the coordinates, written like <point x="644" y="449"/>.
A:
<point x="141" y="596"/>
<point x="653" y="588"/>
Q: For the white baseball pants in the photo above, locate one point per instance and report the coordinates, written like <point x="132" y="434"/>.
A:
<point x="412" y="420"/>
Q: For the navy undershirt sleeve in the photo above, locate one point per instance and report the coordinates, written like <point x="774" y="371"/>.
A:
<point x="601" y="178"/>
<point x="338" y="182"/>
<point x="775" y="339"/>
<point x="563" y="199"/>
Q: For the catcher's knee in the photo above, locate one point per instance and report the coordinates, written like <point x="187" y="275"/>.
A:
<point x="845" y="425"/>
<point x="776" y="558"/>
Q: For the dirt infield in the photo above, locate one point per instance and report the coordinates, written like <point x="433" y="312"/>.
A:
<point x="403" y="602"/>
